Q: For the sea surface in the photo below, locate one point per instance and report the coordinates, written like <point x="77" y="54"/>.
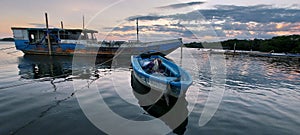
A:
<point x="66" y="96"/>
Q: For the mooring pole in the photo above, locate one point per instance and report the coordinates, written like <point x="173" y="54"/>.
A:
<point x="137" y="30"/>
<point x="62" y="24"/>
<point x="83" y="22"/>
<point x="48" y="34"/>
<point x="181" y="53"/>
<point x="234" y="49"/>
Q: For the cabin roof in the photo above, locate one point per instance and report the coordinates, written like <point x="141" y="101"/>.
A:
<point x="56" y="29"/>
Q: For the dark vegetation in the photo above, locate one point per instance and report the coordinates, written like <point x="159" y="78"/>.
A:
<point x="279" y="44"/>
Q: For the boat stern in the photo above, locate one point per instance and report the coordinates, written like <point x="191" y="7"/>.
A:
<point x="21" y="37"/>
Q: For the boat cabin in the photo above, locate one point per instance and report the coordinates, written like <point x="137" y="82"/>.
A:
<point x="39" y="35"/>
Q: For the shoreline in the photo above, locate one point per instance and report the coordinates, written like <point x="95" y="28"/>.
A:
<point x="251" y="53"/>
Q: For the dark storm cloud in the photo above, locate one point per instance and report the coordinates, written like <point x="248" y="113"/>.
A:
<point x="181" y="5"/>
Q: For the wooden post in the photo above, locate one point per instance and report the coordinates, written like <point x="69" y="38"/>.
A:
<point x="137" y="30"/>
<point x="48" y="34"/>
<point x="83" y="22"/>
<point x="61" y="24"/>
<point x="181" y="51"/>
<point x="234" y="49"/>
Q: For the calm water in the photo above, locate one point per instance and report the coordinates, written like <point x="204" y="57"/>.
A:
<point x="39" y="95"/>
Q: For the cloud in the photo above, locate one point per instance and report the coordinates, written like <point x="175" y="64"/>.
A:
<point x="166" y="30"/>
<point x="145" y="18"/>
<point x="181" y="5"/>
<point x="257" y="13"/>
<point x="121" y="28"/>
<point x="39" y="25"/>
<point x="230" y="21"/>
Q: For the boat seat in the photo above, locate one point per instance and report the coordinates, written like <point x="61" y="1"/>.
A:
<point x="171" y="71"/>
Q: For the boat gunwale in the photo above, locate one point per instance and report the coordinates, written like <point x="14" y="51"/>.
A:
<point x="181" y="85"/>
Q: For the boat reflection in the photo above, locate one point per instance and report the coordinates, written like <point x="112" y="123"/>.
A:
<point x="36" y="67"/>
<point x="156" y="105"/>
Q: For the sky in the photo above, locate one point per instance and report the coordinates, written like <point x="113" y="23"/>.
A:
<point x="192" y="20"/>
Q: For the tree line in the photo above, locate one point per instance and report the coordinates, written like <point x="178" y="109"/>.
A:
<point x="279" y="44"/>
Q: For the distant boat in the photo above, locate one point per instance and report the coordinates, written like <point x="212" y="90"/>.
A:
<point x="82" y="42"/>
<point x="169" y="78"/>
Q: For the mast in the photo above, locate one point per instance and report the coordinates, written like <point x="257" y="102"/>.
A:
<point x="48" y="34"/>
<point x="137" y="29"/>
<point x="83" y="22"/>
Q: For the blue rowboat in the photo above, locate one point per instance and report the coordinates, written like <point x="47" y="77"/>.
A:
<point x="168" y="78"/>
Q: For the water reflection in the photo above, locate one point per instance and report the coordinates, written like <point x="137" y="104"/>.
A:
<point x="35" y="67"/>
<point x="155" y="105"/>
<point x="59" y="69"/>
<point x="283" y="69"/>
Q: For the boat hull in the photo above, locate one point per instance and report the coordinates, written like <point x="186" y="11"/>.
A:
<point x="127" y="49"/>
<point x="82" y="42"/>
<point x="174" y="81"/>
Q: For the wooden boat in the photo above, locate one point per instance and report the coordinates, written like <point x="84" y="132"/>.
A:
<point x="168" y="77"/>
<point x="82" y="42"/>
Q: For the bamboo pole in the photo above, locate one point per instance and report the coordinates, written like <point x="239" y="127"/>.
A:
<point x="181" y="51"/>
<point x="137" y="29"/>
<point x="83" y="22"/>
<point x="62" y="24"/>
<point x="48" y="34"/>
<point x="234" y="49"/>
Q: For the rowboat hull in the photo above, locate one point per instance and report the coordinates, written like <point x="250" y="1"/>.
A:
<point x="157" y="106"/>
<point x="173" y="81"/>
